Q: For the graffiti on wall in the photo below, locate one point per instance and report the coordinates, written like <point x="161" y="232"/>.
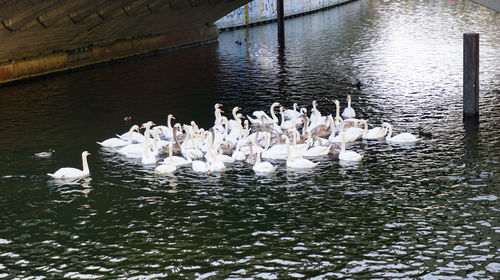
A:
<point x="263" y="10"/>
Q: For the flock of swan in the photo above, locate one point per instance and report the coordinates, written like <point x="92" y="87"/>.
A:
<point x="294" y="137"/>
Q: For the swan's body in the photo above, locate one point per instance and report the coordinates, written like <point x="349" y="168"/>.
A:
<point x="120" y="142"/>
<point x="168" y="165"/>
<point x="263" y="167"/>
<point x="136" y="136"/>
<point x="70" y="172"/>
<point x="374" y="133"/>
<point x="297" y="163"/>
<point x="403" y="138"/>
<point x="148" y="156"/>
<point x="200" y="166"/>
<point x="348" y="112"/>
<point x="348" y="155"/>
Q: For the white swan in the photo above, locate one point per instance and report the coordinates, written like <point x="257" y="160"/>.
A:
<point x="117" y="142"/>
<point x="293" y="114"/>
<point x="348" y="112"/>
<point x="176" y="160"/>
<point x="316" y="150"/>
<point x="297" y="163"/>
<point x="168" y="165"/>
<point x="403" y="138"/>
<point x="70" y="172"/>
<point x="348" y="155"/>
<point x="136" y="136"/>
<point x="263" y="167"/>
<point x="148" y="156"/>
<point x="374" y="133"/>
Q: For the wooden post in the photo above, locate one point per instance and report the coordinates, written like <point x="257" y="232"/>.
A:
<point x="281" y="21"/>
<point x="471" y="75"/>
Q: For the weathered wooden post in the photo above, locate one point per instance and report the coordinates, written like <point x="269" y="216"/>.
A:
<point x="471" y="75"/>
<point x="281" y="21"/>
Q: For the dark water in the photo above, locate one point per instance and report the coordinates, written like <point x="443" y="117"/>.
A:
<point x="405" y="212"/>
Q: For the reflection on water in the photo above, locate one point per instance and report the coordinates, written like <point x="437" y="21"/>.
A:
<point x="419" y="211"/>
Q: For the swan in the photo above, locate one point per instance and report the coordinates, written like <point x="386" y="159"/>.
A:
<point x="148" y="156"/>
<point x="351" y="134"/>
<point x="315" y="113"/>
<point x="286" y="124"/>
<point x="348" y="155"/>
<point x="374" y="133"/>
<point x="176" y="160"/>
<point x="200" y="166"/>
<point x="70" y="172"/>
<point x="348" y="112"/>
<point x="136" y="136"/>
<point x="263" y="167"/>
<point x="237" y="154"/>
<point x="297" y="163"/>
<point x="315" y="151"/>
<point x="403" y="138"/>
<point x="136" y="150"/>
<point x="267" y="119"/>
<point x="168" y="165"/>
<point x="293" y="114"/>
<point x="118" y="142"/>
<point x="168" y="131"/>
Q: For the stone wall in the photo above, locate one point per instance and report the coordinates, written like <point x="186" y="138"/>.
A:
<point x="259" y="11"/>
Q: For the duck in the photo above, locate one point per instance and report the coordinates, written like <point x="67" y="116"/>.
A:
<point x="47" y="154"/>
<point x="403" y="138"/>
<point x="263" y="167"/>
<point x="423" y="132"/>
<point x="72" y="173"/>
<point x="348" y="112"/>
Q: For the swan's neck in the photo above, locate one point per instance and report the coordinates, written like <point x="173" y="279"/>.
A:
<point x="295" y="107"/>
<point x="332" y="126"/>
<point x="289" y="155"/>
<point x="268" y="141"/>
<point x="365" y="130"/>
<point x="170" y="152"/>
<point x="273" y="115"/>
<point x="147" y="135"/>
<point x="175" y="137"/>
<point x="337" y="109"/>
<point x="282" y="117"/>
<point x="349" y="103"/>
<point x="234" y="113"/>
<point x="129" y="141"/>
<point x="258" y="158"/>
<point x="306" y="125"/>
<point x="85" y="165"/>
<point x="155" y="139"/>
<point x="169" y="121"/>
<point x="343" y="141"/>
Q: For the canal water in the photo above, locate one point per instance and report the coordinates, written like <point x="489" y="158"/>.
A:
<point x="419" y="211"/>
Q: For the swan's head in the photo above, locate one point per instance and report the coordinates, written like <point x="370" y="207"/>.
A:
<point x="170" y="116"/>
<point x="217" y="105"/>
<point x="315" y="104"/>
<point x="348" y="98"/>
<point x="295" y="106"/>
<point x="85" y="153"/>
<point x="240" y="116"/>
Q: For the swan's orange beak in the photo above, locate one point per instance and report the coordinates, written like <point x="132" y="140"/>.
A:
<point x="242" y="117"/>
<point x="221" y="111"/>
<point x="239" y="108"/>
<point x="173" y="117"/>
<point x="89" y="154"/>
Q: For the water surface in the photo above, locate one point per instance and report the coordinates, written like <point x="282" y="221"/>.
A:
<point x="410" y="212"/>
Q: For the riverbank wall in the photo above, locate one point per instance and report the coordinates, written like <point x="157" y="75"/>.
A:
<point x="264" y="11"/>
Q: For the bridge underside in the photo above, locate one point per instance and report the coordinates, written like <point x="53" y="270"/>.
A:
<point x="41" y="37"/>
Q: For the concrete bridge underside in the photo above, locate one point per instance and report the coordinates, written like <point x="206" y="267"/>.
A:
<point x="38" y="37"/>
